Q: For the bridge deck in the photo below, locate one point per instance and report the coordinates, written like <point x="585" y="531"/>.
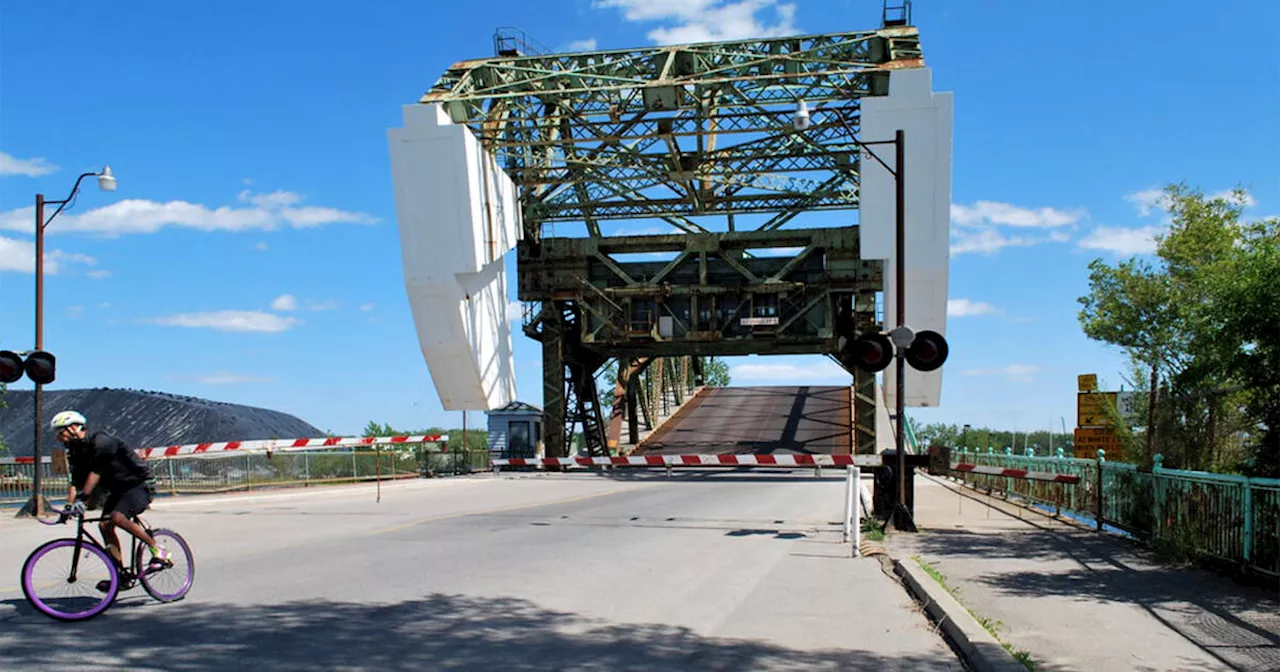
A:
<point x="811" y="419"/>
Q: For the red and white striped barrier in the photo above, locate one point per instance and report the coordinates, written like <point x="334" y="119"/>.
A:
<point x="725" y="460"/>
<point x="260" y="446"/>
<point x="281" y="445"/>
<point x="1017" y="473"/>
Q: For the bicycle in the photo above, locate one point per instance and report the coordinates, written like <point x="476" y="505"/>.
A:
<point x="92" y="567"/>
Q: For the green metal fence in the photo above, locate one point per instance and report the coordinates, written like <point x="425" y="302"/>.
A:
<point x="1231" y="518"/>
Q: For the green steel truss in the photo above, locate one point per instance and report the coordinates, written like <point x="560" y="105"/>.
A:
<point x="679" y="131"/>
<point x="688" y="135"/>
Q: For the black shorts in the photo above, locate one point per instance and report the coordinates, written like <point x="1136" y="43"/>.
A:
<point x="131" y="502"/>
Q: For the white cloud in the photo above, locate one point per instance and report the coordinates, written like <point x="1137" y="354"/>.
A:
<point x="265" y="212"/>
<point x="588" y="44"/>
<point x="322" y="305"/>
<point x="706" y="20"/>
<point x="784" y="373"/>
<point x="11" y="165"/>
<point x="1122" y="241"/>
<point x="230" y="320"/>
<point x="1018" y="373"/>
<point x="987" y="241"/>
<point x="990" y="213"/>
<point x="1147" y="200"/>
<point x="284" y="302"/>
<point x="261" y="247"/>
<point x="966" y="307"/>
<point x="287" y="302"/>
<point x="981" y="227"/>
<point x="271" y="201"/>
<point x="1245" y="199"/>
<point x="366" y="307"/>
<point x="75" y="311"/>
<point x="99" y="274"/>
<point x="230" y="379"/>
<point x="19" y="256"/>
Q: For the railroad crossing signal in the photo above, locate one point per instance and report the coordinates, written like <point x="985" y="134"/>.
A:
<point x="40" y="366"/>
<point x="924" y="351"/>
<point x="928" y="351"/>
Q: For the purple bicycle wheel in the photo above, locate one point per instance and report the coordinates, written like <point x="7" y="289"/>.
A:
<point x="169" y="583"/>
<point x="64" y="609"/>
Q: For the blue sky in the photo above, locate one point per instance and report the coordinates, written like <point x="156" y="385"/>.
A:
<point x="250" y="253"/>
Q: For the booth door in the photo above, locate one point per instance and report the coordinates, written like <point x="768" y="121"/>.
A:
<point x="520" y="439"/>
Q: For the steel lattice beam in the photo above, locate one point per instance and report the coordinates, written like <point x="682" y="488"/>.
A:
<point x="678" y="131"/>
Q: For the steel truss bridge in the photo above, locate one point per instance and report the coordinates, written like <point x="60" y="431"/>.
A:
<point x="709" y="141"/>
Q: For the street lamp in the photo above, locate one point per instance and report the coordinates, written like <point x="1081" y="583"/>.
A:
<point x="106" y="182"/>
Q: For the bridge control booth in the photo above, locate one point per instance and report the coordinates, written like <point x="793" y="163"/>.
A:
<point x="515" y="430"/>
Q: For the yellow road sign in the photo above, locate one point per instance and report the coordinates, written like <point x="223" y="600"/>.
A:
<point x="1087" y="382"/>
<point x="1089" y="439"/>
<point x="1091" y="408"/>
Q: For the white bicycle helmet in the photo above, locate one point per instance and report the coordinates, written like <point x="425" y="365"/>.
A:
<point x="66" y="419"/>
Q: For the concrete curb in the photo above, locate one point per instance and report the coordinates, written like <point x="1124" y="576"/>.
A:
<point x="980" y="649"/>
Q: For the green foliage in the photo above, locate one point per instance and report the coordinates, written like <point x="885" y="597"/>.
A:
<point x="715" y="372"/>
<point x="477" y="439"/>
<point x="984" y="437"/>
<point x="1202" y="315"/>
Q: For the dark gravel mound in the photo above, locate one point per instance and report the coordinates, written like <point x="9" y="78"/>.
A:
<point x="145" y="419"/>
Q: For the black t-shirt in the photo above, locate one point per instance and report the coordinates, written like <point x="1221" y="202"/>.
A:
<point x="118" y="466"/>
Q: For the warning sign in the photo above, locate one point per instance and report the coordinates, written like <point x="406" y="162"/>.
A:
<point x="1088" y="440"/>
<point x="1091" y="408"/>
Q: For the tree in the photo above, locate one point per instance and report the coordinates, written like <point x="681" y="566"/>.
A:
<point x="1201" y="318"/>
<point x="715" y="372"/>
<point x="1043" y="441"/>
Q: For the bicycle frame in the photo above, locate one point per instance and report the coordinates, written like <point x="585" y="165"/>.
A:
<point x="128" y="571"/>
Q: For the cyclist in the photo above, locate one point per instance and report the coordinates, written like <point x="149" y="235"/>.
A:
<point x="102" y="462"/>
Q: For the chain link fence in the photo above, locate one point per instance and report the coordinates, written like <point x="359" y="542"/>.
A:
<point x="232" y="471"/>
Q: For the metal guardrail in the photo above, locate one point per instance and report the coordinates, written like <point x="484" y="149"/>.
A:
<point x="232" y="471"/>
<point x="1235" y="519"/>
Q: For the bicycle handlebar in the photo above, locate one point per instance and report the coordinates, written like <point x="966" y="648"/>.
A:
<point x="63" y="516"/>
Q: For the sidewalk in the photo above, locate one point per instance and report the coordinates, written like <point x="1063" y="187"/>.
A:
<point x="1074" y="599"/>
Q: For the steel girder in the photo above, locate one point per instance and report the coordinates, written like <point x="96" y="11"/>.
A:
<point x="678" y="131"/>
<point x="717" y="294"/>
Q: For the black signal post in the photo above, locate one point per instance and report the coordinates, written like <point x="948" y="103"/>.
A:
<point x="924" y="351"/>
<point x="41" y="369"/>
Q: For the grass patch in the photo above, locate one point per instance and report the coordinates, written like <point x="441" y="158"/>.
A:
<point x="871" y="531"/>
<point x="991" y="626"/>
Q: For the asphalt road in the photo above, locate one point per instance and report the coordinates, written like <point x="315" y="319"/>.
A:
<point x="758" y="420"/>
<point x="621" y="571"/>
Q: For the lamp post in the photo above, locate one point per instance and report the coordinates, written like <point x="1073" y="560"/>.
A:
<point x="106" y="182"/>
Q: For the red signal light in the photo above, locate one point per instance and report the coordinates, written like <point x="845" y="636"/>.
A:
<point x="10" y="366"/>
<point x="928" y="351"/>
<point x="871" y="352"/>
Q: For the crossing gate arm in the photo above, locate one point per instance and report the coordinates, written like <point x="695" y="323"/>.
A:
<point x="670" y="461"/>
<point x="1016" y="473"/>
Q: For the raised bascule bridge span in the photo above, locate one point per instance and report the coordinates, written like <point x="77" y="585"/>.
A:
<point x="667" y="204"/>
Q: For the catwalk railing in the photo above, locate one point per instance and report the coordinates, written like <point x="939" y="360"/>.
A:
<point x="1230" y="518"/>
